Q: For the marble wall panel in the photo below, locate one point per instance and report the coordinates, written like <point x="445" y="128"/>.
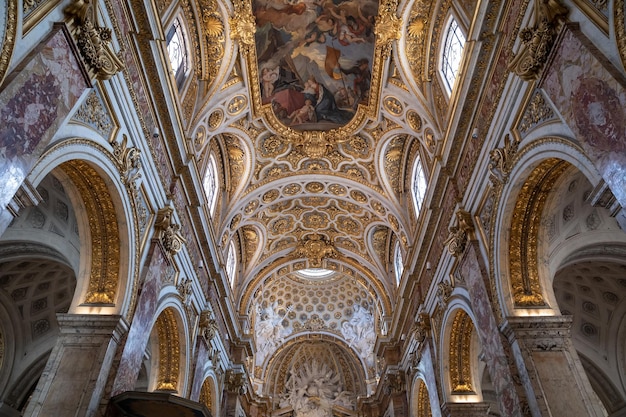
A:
<point x="34" y="102"/>
<point x="489" y="334"/>
<point x="156" y="267"/>
<point x="589" y="93"/>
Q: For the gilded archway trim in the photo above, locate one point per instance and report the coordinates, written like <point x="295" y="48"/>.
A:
<point x="620" y="29"/>
<point x="460" y="346"/>
<point x="104" y="231"/>
<point x="169" y="351"/>
<point x="525" y="224"/>
<point x="423" y="401"/>
<point x="8" y="42"/>
<point x="206" y="394"/>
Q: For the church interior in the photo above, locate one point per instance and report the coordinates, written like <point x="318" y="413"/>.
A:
<point x="313" y="208"/>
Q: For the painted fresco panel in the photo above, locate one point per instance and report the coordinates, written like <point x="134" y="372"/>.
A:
<point x="315" y="59"/>
<point x="591" y="97"/>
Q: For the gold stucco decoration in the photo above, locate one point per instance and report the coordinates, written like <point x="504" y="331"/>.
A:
<point x="8" y="43"/>
<point x="215" y="119"/>
<point x="315" y="248"/>
<point x="387" y="28"/>
<point x="460" y="353"/>
<point x="501" y="160"/>
<point x="525" y="224"/>
<point x="538" y="40"/>
<point x="207" y="327"/>
<point x="206" y="396"/>
<point x="460" y="234"/>
<point x="414" y="120"/>
<point x="169" y="351"/>
<point x="421" y="328"/>
<point x="168" y="232"/>
<point x="620" y="28"/>
<point x="537" y="111"/>
<point x="93" y="41"/>
<point x="423" y="401"/>
<point x="104" y="231"/>
<point x="213" y="28"/>
<point x="129" y="163"/>
<point x="242" y="24"/>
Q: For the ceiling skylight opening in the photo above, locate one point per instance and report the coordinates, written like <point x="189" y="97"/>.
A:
<point x="315" y="273"/>
<point x="452" y="53"/>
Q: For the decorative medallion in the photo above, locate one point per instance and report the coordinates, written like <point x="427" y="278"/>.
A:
<point x="237" y="104"/>
<point x="414" y="120"/>
<point x="393" y="105"/>
<point x="215" y="119"/>
<point x="315" y="187"/>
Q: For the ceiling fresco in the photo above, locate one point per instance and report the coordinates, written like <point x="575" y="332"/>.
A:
<point x="314" y="59"/>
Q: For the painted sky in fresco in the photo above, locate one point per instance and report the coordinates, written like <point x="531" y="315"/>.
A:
<point x="315" y="59"/>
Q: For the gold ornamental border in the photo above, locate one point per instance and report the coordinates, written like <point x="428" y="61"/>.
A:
<point x="9" y="38"/>
<point x="620" y="29"/>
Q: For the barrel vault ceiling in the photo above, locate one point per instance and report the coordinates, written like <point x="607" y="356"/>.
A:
<point x="329" y="194"/>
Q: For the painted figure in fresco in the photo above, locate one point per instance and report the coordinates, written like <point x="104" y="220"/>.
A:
<point x="324" y="25"/>
<point x="362" y="77"/>
<point x="322" y="50"/>
<point x="348" y="30"/>
<point x="269" y="76"/>
<point x="305" y="114"/>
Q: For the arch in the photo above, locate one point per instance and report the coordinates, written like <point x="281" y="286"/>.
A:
<point x="523" y="269"/>
<point x="460" y="349"/>
<point x="209" y="395"/>
<point x="107" y="220"/>
<point x="169" y="352"/>
<point x="420" y="399"/>
<point x="520" y="201"/>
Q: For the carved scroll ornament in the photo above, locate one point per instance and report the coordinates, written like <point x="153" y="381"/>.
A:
<point x="93" y="41"/>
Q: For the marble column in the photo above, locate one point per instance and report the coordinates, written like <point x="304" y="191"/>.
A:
<point x="37" y="98"/>
<point x="543" y="349"/>
<point x="73" y="381"/>
<point x="465" y="410"/>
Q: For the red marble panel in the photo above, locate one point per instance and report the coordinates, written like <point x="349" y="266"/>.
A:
<point x="590" y="95"/>
<point x="34" y="101"/>
<point x="489" y="335"/>
<point x="139" y="333"/>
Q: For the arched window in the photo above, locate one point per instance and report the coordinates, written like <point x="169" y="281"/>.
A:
<point x="418" y="186"/>
<point x="451" y="53"/>
<point x="398" y="263"/>
<point x="177" y="51"/>
<point x="210" y="184"/>
<point x="231" y="263"/>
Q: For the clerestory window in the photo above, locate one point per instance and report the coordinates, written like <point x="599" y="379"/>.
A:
<point x="231" y="263"/>
<point x="451" y="53"/>
<point x="210" y="184"/>
<point x="418" y="185"/>
<point x="177" y="51"/>
<point x="398" y="263"/>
